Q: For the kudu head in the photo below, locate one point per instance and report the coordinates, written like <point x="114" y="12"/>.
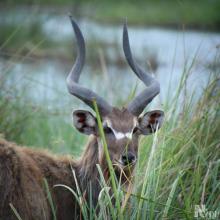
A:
<point x="122" y="127"/>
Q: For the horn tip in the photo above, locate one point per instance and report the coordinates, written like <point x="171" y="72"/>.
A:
<point x="72" y="19"/>
<point x="74" y="23"/>
<point x="70" y="16"/>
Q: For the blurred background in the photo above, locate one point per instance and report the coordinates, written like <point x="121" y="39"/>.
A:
<point x="37" y="50"/>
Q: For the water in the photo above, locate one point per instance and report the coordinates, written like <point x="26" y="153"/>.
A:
<point x="170" y="49"/>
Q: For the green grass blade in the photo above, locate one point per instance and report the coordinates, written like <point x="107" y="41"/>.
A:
<point x="15" y="211"/>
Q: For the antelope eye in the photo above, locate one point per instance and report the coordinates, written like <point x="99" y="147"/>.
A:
<point x="135" y="130"/>
<point x="108" y="130"/>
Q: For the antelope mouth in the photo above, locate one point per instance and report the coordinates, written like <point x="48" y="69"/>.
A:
<point x="118" y="164"/>
<point x="124" y="172"/>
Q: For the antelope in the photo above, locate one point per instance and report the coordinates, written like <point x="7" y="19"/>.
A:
<point x="23" y="170"/>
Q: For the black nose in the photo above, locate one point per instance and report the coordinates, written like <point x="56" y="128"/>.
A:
<point x="128" y="158"/>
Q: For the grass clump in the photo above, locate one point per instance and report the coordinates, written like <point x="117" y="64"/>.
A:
<point x="178" y="167"/>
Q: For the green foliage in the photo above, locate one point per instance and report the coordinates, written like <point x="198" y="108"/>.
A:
<point x="29" y="124"/>
<point x="195" y="14"/>
<point x="191" y="14"/>
<point x="31" y="34"/>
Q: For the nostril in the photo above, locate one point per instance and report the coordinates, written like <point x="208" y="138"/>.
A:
<point x="128" y="158"/>
<point x="131" y="158"/>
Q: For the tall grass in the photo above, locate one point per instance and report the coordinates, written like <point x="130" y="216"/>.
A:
<point x="178" y="167"/>
<point x="28" y="123"/>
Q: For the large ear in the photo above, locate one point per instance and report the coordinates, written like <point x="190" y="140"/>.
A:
<point x="151" y="121"/>
<point x="84" y="122"/>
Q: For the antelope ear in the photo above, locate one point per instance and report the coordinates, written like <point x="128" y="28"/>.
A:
<point x="151" y="121"/>
<point x="84" y="122"/>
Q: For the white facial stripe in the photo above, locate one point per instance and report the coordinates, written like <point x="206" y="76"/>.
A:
<point x="120" y="135"/>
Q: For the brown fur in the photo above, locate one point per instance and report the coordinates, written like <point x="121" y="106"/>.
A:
<point x="22" y="173"/>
